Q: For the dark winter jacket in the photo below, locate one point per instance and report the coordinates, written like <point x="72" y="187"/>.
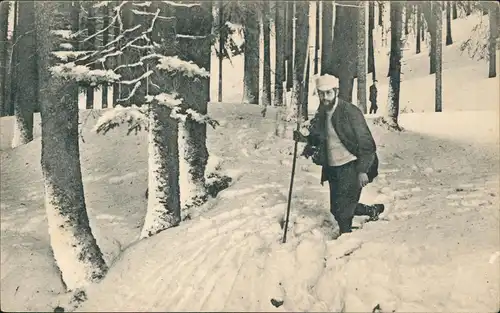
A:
<point x="373" y="94"/>
<point x="352" y="129"/>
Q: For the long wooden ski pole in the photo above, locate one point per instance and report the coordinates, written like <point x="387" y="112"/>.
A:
<point x="302" y="97"/>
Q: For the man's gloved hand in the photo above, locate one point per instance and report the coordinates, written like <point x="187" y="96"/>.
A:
<point x="308" y="151"/>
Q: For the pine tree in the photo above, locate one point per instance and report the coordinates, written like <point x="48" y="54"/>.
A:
<point x="449" y="39"/>
<point x="494" y="17"/>
<point x="4" y="17"/>
<point x="26" y="88"/>
<point x="105" y="41"/>
<point x="266" y="90"/>
<point x="317" y="38"/>
<point x="371" y="49"/>
<point x="361" y="62"/>
<point x="438" y="20"/>
<point x="344" y="43"/>
<point x="251" y="56"/>
<point x="395" y="63"/>
<point x="301" y="56"/>
<point x="327" y="37"/>
<point x="75" y="249"/>
<point x="290" y="38"/>
<point x="279" y="72"/>
<point x="418" y="15"/>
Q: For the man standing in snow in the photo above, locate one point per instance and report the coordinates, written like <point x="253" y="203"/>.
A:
<point x="339" y="140"/>
<point x="373" y="98"/>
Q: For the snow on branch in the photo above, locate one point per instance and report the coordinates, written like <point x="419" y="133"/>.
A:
<point x="65" y="55"/>
<point x="139" y="12"/>
<point x="142" y="4"/>
<point x="191" y="36"/>
<point x="134" y="116"/>
<point x="169" y="100"/>
<point x="138" y="79"/>
<point x="173" y="64"/>
<point x="201" y="118"/>
<point x="101" y="4"/>
<point x="186" y="5"/>
<point x="66" y="46"/>
<point x="132" y="93"/>
<point x="83" y="74"/>
<point x="63" y="33"/>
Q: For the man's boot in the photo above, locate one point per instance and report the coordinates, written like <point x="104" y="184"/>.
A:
<point x="373" y="211"/>
<point x="345" y="225"/>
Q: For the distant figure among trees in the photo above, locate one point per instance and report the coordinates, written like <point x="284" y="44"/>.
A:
<point x="373" y="98"/>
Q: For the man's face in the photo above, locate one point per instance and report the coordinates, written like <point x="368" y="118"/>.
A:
<point x="327" y="96"/>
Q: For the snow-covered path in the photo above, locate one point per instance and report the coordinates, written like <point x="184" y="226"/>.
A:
<point x="433" y="249"/>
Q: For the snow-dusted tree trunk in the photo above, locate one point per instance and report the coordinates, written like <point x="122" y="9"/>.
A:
<point x="4" y="17"/>
<point x="395" y="63"/>
<point x="164" y="206"/>
<point x="27" y="87"/>
<point x="361" y="64"/>
<point x="75" y="249"/>
<point x="105" y="40"/>
<point x="438" y="20"/>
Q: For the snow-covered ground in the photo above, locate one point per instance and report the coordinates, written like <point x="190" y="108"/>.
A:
<point x="436" y="247"/>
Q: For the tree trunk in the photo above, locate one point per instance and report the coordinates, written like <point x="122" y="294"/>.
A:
<point x="75" y="249"/>
<point x="408" y="13"/>
<point x="13" y="62"/>
<point x="290" y="14"/>
<point x="395" y="62"/>
<point x="468" y="9"/>
<point x="449" y="39"/>
<point x="105" y="40"/>
<point x="279" y="72"/>
<point x="164" y="207"/>
<point x="422" y="21"/>
<point x="266" y="90"/>
<point x="380" y="14"/>
<point x="439" y="53"/>
<point x="221" y="48"/>
<point x="317" y="38"/>
<point x="26" y="88"/>
<point x="4" y="16"/>
<point x="301" y="56"/>
<point x="419" y="26"/>
<point x="251" y="57"/>
<point x="494" y="17"/>
<point x="193" y="153"/>
<point x="345" y="42"/>
<point x="430" y="17"/>
<point x="75" y="27"/>
<point x="455" y="11"/>
<point x="371" y="49"/>
<point x="327" y="38"/>
<point x="116" y="33"/>
<point x="361" y="62"/>
<point x="91" y="29"/>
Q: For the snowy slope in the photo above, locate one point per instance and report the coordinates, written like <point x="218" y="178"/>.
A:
<point x="436" y="247"/>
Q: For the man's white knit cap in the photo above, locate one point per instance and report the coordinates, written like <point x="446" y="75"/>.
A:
<point x="326" y="82"/>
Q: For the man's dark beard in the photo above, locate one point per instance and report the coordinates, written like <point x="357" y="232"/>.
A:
<point x="328" y="103"/>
